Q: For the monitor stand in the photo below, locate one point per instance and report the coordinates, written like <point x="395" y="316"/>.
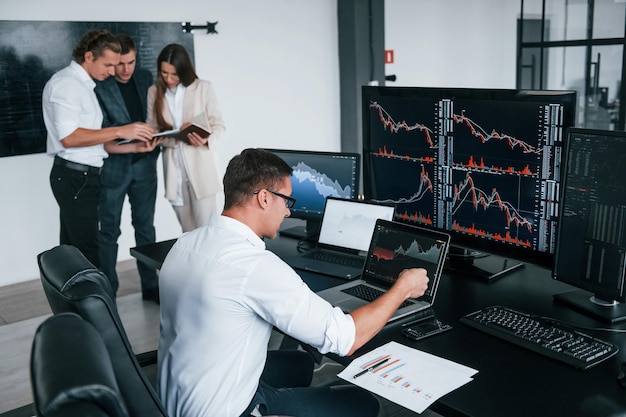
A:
<point x="610" y="311"/>
<point x="309" y="231"/>
<point x="487" y="268"/>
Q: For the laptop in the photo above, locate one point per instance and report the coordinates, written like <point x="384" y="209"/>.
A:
<point x="393" y="248"/>
<point x="345" y="232"/>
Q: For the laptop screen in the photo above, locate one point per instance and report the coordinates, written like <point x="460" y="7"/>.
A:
<point x="398" y="246"/>
<point x="350" y="223"/>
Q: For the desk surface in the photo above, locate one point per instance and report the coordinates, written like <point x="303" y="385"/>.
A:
<point x="511" y="381"/>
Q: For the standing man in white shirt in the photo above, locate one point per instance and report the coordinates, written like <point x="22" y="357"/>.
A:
<point x="222" y="293"/>
<point x="75" y="137"/>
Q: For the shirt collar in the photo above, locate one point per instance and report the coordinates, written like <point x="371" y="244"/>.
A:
<point x="82" y="74"/>
<point x="177" y="91"/>
<point x="238" y="227"/>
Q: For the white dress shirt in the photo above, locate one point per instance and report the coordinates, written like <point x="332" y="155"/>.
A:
<point x="174" y="98"/>
<point x="69" y="102"/>
<point x="221" y="294"/>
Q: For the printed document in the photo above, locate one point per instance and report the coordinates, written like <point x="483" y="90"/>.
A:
<point x="407" y="376"/>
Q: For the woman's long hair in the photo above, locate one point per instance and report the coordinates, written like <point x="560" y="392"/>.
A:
<point x="175" y="55"/>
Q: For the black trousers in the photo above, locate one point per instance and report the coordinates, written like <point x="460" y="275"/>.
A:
<point x="284" y="390"/>
<point x="77" y="194"/>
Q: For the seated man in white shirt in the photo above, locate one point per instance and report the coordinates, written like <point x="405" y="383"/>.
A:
<point x="222" y="293"/>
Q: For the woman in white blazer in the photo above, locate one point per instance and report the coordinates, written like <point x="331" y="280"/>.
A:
<point x="191" y="170"/>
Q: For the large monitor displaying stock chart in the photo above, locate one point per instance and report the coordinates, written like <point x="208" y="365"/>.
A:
<point x="481" y="164"/>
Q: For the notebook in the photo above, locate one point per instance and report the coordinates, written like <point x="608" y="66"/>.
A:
<point x="393" y="248"/>
<point x="345" y="232"/>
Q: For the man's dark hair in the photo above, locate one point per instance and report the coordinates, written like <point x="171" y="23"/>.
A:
<point x="96" y="42"/>
<point x="126" y="42"/>
<point x="252" y="170"/>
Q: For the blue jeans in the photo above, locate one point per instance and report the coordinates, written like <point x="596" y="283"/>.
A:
<point x="284" y="390"/>
<point x="121" y="177"/>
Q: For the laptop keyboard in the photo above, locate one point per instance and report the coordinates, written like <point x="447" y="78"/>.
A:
<point x="335" y="258"/>
<point x="367" y="293"/>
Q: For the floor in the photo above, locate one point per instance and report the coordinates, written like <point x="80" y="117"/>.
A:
<point x="24" y="306"/>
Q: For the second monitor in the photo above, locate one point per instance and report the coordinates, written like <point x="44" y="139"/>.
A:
<point x="317" y="175"/>
<point x="591" y="249"/>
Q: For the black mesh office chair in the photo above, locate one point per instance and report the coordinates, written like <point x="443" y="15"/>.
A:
<point x="73" y="284"/>
<point x="71" y="372"/>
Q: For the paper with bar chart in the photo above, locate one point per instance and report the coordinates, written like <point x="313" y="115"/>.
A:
<point x="408" y="377"/>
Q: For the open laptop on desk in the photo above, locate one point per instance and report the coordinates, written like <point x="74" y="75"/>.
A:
<point x="393" y="248"/>
<point x="345" y="233"/>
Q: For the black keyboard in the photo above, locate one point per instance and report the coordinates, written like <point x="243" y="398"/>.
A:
<point x="367" y="293"/>
<point x="335" y="258"/>
<point x="541" y="335"/>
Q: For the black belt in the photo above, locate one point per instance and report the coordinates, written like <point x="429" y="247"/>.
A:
<point x="75" y="166"/>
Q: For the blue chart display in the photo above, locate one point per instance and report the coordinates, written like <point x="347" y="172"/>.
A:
<point x="482" y="164"/>
<point x="314" y="186"/>
<point x="318" y="175"/>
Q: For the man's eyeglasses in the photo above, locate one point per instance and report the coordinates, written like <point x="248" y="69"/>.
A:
<point x="289" y="201"/>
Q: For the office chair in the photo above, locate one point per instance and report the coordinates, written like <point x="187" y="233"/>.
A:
<point x="72" y="284"/>
<point x="70" y="371"/>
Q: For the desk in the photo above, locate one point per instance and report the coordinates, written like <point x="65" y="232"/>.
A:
<point x="511" y="381"/>
<point x="153" y="254"/>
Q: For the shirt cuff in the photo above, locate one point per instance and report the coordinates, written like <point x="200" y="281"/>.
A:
<point x="340" y="335"/>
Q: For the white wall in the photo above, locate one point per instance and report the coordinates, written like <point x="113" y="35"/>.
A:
<point x="452" y="43"/>
<point x="274" y="66"/>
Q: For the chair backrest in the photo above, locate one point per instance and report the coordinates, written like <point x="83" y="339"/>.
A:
<point x="73" y="284"/>
<point x="71" y="372"/>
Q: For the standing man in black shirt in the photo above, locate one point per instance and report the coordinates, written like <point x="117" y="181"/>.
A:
<point x="130" y="168"/>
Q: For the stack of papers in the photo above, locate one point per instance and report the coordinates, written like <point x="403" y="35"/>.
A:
<point x="407" y="376"/>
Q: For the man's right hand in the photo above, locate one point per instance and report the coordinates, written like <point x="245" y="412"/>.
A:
<point x="414" y="281"/>
<point x="370" y="318"/>
<point x="138" y="131"/>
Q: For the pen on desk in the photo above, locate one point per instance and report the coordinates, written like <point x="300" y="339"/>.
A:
<point x="371" y="368"/>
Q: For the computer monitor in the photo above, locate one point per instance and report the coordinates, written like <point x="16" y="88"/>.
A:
<point x="591" y="245"/>
<point x="317" y="175"/>
<point x="482" y="164"/>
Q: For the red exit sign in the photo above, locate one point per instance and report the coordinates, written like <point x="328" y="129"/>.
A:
<point x="388" y="56"/>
